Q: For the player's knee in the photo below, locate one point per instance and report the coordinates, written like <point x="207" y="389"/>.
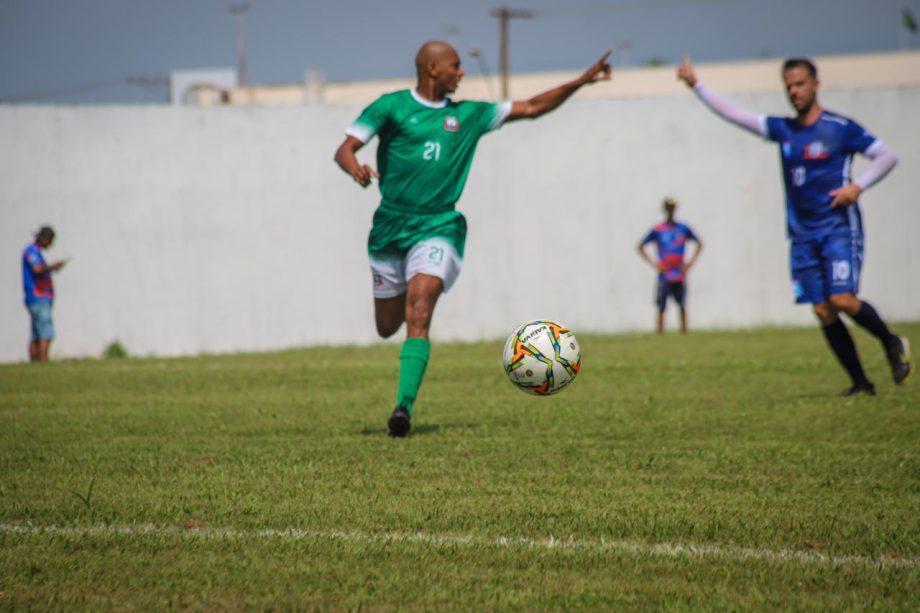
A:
<point x="385" y="331"/>
<point x="387" y="327"/>
<point x="848" y="303"/>
<point x="825" y="312"/>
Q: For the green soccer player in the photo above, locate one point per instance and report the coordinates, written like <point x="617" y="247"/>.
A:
<point x="427" y="142"/>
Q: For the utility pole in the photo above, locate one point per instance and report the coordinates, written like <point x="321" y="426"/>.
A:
<point x="504" y="15"/>
<point x="239" y="12"/>
<point x="476" y="52"/>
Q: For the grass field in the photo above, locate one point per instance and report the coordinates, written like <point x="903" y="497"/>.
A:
<point x="714" y="471"/>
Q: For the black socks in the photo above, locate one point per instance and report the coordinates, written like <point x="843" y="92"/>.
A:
<point x="868" y="318"/>
<point x="841" y="343"/>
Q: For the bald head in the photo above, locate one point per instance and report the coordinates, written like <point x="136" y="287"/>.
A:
<point x="437" y="65"/>
<point x="433" y="51"/>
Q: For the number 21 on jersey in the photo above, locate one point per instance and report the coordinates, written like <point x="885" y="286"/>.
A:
<point x="432" y="151"/>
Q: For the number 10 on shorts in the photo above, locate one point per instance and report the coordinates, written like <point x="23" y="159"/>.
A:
<point x="840" y="270"/>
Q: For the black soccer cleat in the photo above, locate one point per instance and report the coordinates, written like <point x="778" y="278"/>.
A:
<point x="860" y="389"/>
<point x="400" y="422"/>
<point x="899" y="359"/>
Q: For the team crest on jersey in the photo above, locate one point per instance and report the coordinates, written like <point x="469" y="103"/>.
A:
<point x="815" y="151"/>
<point x="451" y="124"/>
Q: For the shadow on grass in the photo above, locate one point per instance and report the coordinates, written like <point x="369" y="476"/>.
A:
<point x="419" y="430"/>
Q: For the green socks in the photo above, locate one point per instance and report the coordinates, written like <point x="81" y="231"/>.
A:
<point x="412" y="362"/>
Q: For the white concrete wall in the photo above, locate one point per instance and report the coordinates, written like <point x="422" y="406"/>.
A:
<point x="214" y="230"/>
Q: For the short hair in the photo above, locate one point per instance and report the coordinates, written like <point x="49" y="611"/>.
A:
<point x="45" y="232"/>
<point x="669" y="202"/>
<point x="801" y="62"/>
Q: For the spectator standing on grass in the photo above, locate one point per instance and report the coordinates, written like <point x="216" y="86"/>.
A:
<point x="39" y="292"/>
<point x="427" y="143"/>
<point x="824" y="223"/>
<point x="670" y="238"/>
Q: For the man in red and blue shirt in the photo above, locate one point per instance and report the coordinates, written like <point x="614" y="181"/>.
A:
<point x="671" y="239"/>
<point x="39" y="293"/>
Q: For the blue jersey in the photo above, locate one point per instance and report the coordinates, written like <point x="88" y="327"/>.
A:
<point x="671" y="239"/>
<point x="37" y="287"/>
<point x="816" y="160"/>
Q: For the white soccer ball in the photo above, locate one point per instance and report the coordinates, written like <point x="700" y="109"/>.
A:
<point x="541" y="357"/>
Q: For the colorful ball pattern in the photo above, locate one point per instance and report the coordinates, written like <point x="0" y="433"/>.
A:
<point x="542" y="357"/>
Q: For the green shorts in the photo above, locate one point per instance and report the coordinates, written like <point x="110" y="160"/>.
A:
<point x="396" y="230"/>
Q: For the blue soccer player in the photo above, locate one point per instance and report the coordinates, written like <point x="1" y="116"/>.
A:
<point x="822" y="212"/>
<point x="670" y="238"/>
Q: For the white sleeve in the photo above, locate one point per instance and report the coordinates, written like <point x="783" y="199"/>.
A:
<point x="503" y="109"/>
<point x="883" y="160"/>
<point x="359" y="131"/>
<point x="730" y="111"/>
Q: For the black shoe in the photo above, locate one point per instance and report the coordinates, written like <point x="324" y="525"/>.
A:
<point x="899" y="359"/>
<point x="400" y="422"/>
<point x="863" y="388"/>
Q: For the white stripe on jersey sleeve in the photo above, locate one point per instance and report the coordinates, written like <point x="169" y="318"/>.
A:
<point x="361" y="132"/>
<point x="827" y="117"/>
<point x="504" y="110"/>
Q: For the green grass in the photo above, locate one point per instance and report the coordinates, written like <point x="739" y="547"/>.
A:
<point x="725" y="439"/>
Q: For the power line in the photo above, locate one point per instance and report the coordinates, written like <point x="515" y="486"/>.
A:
<point x="588" y="8"/>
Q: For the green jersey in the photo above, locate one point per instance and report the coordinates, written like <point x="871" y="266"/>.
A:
<point x="424" y="156"/>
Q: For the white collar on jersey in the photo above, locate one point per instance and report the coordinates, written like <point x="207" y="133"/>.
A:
<point x="428" y="103"/>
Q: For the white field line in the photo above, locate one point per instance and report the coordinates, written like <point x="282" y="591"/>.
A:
<point x="673" y="550"/>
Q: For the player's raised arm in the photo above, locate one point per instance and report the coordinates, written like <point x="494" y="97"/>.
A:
<point x="549" y="100"/>
<point x="720" y="105"/>
<point x="686" y="73"/>
<point x="347" y="160"/>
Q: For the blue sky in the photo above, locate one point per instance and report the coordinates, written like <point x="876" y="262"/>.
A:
<point x="82" y="51"/>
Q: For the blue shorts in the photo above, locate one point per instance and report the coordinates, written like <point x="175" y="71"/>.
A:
<point x="825" y="266"/>
<point x="675" y="289"/>
<point x="42" y="326"/>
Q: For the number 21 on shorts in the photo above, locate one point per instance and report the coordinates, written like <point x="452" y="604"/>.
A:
<point x="436" y="254"/>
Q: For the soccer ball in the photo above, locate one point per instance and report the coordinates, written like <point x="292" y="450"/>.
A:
<point x="541" y="357"/>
